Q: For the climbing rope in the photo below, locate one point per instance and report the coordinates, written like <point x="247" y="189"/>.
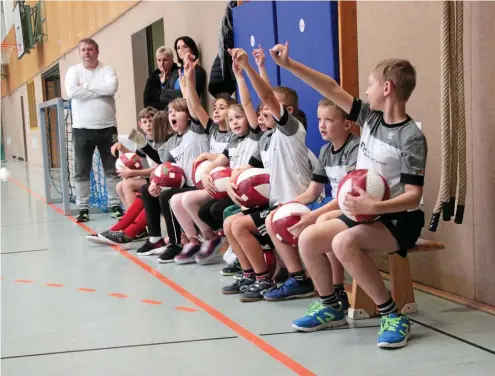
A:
<point x="453" y="125"/>
<point x="461" y="115"/>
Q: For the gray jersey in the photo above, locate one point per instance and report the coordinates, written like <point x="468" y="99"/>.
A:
<point x="184" y="149"/>
<point x="397" y="152"/>
<point x="240" y="148"/>
<point x="333" y="165"/>
<point x="283" y="153"/>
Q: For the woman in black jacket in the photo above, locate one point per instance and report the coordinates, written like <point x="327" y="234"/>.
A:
<point x="161" y="79"/>
<point x="182" y="46"/>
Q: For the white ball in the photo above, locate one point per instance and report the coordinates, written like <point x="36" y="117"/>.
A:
<point x="4" y="174"/>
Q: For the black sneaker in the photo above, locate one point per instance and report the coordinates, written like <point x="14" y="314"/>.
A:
<point x="256" y="291"/>
<point x="238" y="287"/>
<point x="238" y="276"/>
<point x="115" y="238"/>
<point x="169" y="253"/>
<point x="142" y="236"/>
<point x="95" y="238"/>
<point x="83" y="215"/>
<point x="116" y="212"/>
<point x="231" y="269"/>
<point x="149" y="249"/>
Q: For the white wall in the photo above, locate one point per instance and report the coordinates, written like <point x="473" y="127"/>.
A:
<point x="7" y="17"/>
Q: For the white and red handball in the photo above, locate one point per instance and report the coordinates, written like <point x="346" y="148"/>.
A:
<point x="370" y="181"/>
<point x="221" y="179"/>
<point x="129" y="160"/>
<point x="253" y="187"/>
<point x="168" y="175"/>
<point x="198" y="171"/>
<point x="286" y="216"/>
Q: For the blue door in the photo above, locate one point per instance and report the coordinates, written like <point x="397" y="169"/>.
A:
<point x="254" y="24"/>
<point x="311" y="28"/>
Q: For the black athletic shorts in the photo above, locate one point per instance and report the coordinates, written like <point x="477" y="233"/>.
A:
<point x="405" y="227"/>
<point x="259" y="217"/>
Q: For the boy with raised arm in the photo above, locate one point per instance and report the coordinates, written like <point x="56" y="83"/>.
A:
<point x="392" y="145"/>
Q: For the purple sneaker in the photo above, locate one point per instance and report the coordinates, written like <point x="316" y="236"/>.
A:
<point x="209" y="252"/>
<point x="188" y="253"/>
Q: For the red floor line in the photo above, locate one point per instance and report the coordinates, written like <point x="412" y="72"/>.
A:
<point x="246" y="334"/>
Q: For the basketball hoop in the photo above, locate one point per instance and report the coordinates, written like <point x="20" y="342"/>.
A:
<point x="7" y="49"/>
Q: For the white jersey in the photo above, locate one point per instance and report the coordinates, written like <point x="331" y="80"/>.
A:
<point x="185" y="148"/>
<point x="283" y="153"/>
<point x="240" y="148"/>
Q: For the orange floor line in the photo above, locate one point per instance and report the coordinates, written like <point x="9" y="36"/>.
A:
<point x="240" y="330"/>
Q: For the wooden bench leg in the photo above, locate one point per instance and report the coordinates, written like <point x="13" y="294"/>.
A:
<point x="401" y="284"/>
<point x="361" y="305"/>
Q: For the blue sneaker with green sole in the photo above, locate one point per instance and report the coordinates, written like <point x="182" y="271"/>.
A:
<point x="395" y="331"/>
<point x="320" y="317"/>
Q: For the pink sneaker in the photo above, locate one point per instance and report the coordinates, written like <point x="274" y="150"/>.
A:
<point x="188" y="253"/>
<point x="208" y="253"/>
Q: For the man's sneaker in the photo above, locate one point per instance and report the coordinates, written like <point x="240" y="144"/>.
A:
<point x="95" y="238"/>
<point x="83" y="215"/>
<point x="344" y="300"/>
<point x="116" y="212"/>
<point x="188" y="254"/>
<point x="231" y="269"/>
<point x="141" y="236"/>
<point x="319" y="317"/>
<point x="291" y="289"/>
<point x="256" y="291"/>
<point x="209" y="252"/>
<point x="238" y="287"/>
<point x="149" y="249"/>
<point x="169" y="254"/>
<point x="395" y="331"/>
<point x="115" y="238"/>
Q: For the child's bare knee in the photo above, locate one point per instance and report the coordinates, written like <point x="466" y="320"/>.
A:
<point x="237" y="228"/>
<point x="305" y="240"/>
<point x="342" y="245"/>
<point x="175" y="201"/>
<point x="227" y="225"/>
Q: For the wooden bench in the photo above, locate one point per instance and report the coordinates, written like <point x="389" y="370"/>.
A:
<point x="361" y="305"/>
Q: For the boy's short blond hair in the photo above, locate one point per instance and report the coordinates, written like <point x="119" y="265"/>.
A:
<point x="179" y="105"/>
<point x="147" y="112"/>
<point x="328" y="103"/>
<point x="291" y="98"/>
<point x="400" y="73"/>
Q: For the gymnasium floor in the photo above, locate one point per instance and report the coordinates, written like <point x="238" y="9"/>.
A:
<point x="72" y="308"/>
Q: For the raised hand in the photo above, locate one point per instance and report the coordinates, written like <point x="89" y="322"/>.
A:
<point x="239" y="57"/>
<point x="259" y="56"/>
<point x="189" y="65"/>
<point x="280" y="54"/>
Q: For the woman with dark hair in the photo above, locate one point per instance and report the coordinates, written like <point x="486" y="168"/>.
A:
<point x="182" y="46"/>
<point x="161" y="79"/>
